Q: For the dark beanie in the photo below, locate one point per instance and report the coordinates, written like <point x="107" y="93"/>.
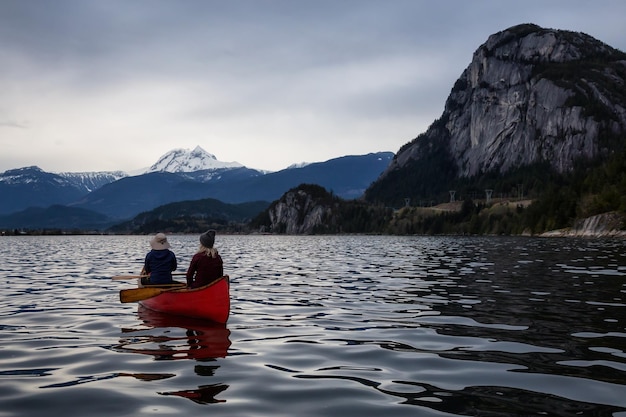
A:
<point x="208" y="238"/>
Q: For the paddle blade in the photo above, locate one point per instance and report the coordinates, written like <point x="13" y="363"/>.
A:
<point x="137" y="294"/>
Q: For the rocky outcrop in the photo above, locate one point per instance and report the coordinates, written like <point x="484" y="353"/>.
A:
<point x="611" y="224"/>
<point x="311" y="209"/>
<point x="529" y="95"/>
<point x="300" y="211"/>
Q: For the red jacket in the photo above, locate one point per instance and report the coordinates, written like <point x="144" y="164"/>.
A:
<point x="204" y="269"/>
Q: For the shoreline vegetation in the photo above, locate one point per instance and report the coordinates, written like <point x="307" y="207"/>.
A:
<point x="497" y="215"/>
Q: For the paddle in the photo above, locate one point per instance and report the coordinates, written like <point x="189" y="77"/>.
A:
<point x="137" y="294"/>
<point x="122" y="277"/>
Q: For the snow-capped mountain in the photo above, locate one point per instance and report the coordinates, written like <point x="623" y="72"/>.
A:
<point x="298" y="165"/>
<point x="180" y="175"/>
<point x="185" y="160"/>
<point x="31" y="186"/>
<point x="32" y="175"/>
<point x="347" y="177"/>
<point x="90" y="181"/>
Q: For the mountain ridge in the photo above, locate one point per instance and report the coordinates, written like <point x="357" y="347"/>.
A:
<point x="121" y="197"/>
<point x="21" y="188"/>
<point x="90" y="181"/>
<point x="346" y="176"/>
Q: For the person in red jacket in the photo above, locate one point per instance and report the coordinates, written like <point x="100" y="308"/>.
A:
<point x="206" y="265"/>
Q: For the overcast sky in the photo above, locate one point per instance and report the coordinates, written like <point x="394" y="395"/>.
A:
<point x="95" y="85"/>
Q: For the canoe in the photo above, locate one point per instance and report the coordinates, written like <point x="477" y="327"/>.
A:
<point x="210" y="302"/>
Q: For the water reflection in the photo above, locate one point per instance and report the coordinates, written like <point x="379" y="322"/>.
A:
<point x="205" y="394"/>
<point x="95" y="378"/>
<point x="169" y="337"/>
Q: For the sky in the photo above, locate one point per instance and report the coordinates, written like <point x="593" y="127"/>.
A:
<point x="103" y="85"/>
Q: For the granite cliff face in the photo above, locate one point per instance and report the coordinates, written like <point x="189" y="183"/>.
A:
<point x="529" y="95"/>
<point x="298" y="211"/>
<point x="533" y="104"/>
<point x="611" y="224"/>
<point x="311" y="209"/>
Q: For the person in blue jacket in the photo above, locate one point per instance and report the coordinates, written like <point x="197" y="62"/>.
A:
<point x="159" y="262"/>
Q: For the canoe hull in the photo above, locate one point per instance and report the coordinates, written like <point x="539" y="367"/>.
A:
<point x="210" y="302"/>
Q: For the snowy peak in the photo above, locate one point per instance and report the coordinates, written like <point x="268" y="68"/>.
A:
<point x="32" y="174"/>
<point x="90" y="181"/>
<point x="185" y="160"/>
<point x="298" y="165"/>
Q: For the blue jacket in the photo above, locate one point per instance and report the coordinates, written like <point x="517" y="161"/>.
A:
<point x="160" y="264"/>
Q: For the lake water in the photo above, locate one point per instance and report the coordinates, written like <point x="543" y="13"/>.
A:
<point x="320" y="326"/>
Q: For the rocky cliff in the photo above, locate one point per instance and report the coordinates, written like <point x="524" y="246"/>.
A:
<point x="311" y="209"/>
<point x="529" y="95"/>
<point x="610" y="224"/>
<point x="299" y="211"/>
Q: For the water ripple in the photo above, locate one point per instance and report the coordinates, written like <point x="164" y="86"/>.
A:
<point x="333" y="326"/>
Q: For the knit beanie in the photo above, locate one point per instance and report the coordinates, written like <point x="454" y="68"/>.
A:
<point x="207" y="239"/>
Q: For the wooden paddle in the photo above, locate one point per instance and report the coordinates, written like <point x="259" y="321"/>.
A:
<point x="123" y="277"/>
<point x="137" y="294"/>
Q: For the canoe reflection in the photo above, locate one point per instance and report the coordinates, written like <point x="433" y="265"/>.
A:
<point x="205" y="394"/>
<point x="169" y="337"/>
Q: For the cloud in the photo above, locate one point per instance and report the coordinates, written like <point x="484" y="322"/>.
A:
<point x="95" y="85"/>
<point x="13" y="125"/>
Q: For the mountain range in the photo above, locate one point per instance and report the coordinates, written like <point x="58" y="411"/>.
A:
<point x="538" y="114"/>
<point x="32" y="197"/>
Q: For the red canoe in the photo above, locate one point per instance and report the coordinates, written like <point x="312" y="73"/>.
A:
<point x="210" y="302"/>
